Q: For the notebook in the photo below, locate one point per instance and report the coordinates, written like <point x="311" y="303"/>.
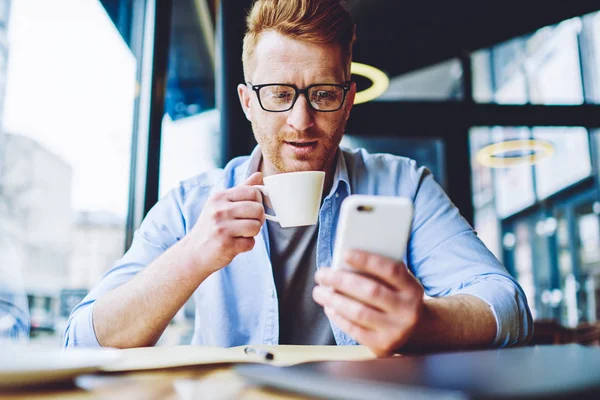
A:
<point x="282" y="355"/>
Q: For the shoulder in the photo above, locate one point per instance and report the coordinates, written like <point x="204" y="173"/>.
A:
<point x="395" y="175"/>
<point x="205" y="183"/>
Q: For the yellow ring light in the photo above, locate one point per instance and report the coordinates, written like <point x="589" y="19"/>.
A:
<point x="541" y="148"/>
<point x="379" y="79"/>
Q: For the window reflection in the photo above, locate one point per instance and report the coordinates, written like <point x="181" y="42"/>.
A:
<point x="65" y="149"/>
<point x="545" y="67"/>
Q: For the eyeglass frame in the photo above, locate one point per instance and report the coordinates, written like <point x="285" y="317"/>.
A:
<point x="346" y="86"/>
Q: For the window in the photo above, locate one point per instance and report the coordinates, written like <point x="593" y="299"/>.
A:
<point x="437" y="82"/>
<point x="557" y="64"/>
<point x="190" y="130"/>
<point x="570" y="163"/>
<point x="65" y="149"/>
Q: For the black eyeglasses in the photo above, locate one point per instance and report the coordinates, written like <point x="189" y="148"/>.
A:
<point x="280" y="97"/>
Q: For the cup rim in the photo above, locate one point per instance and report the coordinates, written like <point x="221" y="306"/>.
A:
<point x="294" y="173"/>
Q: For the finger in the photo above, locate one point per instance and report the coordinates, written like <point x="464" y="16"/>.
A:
<point x="236" y="228"/>
<point x="247" y="210"/>
<point x="363" y="336"/>
<point x="243" y="193"/>
<point x="243" y="244"/>
<point x="254" y="179"/>
<point x="360" y="287"/>
<point x="359" y="313"/>
<point x="388" y="271"/>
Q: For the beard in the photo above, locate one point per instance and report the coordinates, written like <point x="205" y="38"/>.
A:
<point x="320" y="159"/>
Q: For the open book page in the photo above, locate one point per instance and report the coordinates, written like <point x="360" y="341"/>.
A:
<point x="178" y="356"/>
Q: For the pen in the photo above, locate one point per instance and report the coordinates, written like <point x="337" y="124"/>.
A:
<point x="259" y="352"/>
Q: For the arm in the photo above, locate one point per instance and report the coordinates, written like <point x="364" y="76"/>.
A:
<point x="384" y="309"/>
<point x="437" y="327"/>
<point x="134" y="308"/>
<point x="475" y="301"/>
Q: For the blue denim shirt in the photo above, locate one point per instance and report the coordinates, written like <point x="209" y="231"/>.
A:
<point x="238" y="304"/>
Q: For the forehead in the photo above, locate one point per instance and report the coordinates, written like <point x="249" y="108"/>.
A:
<point x="279" y="58"/>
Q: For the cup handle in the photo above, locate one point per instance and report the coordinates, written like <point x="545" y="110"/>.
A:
<point x="265" y="192"/>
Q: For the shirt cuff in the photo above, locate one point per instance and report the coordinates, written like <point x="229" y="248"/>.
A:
<point x="508" y="307"/>
<point x="80" y="329"/>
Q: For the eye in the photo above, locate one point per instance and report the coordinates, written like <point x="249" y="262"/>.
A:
<point x="323" y="94"/>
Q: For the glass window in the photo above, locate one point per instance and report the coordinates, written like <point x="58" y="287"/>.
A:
<point x="523" y="261"/>
<point x="437" y="82"/>
<point x="590" y="48"/>
<point x="569" y="164"/>
<point x="189" y="146"/>
<point x="541" y="68"/>
<point x="513" y="186"/>
<point x="483" y="92"/>
<point x="66" y="148"/>
<point x="553" y="65"/>
<point x="568" y="282"/>
<point x="190" y="141"/>
<point x="4" y="11"/>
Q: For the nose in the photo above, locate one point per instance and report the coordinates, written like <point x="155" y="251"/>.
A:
<point x="301" y="115"/>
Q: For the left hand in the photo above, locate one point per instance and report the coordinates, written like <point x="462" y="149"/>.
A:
<point x="379" y="305"/>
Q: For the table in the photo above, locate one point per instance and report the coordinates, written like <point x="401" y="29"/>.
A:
<point x="199" y="382"/>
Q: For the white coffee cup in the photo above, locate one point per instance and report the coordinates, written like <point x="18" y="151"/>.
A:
<point x="295" y="197"/>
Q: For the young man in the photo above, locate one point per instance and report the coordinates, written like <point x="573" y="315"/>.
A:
<point x="253" y="282"/>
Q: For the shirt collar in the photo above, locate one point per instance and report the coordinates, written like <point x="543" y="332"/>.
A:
<point x="340" y="175"/>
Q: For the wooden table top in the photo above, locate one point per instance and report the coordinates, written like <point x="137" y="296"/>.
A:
<point x="198" y="382"/>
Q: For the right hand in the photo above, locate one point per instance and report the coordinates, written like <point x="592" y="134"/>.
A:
<point x="228" y="224"/>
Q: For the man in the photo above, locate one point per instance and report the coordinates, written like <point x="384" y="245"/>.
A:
<point x="253" y="282"/>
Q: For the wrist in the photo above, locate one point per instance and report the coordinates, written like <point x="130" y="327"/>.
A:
<point x="190" y="260"/>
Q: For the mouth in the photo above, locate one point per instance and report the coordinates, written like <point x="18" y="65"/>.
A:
<point x="303" y="143"/>
<point x="301" y="149"/>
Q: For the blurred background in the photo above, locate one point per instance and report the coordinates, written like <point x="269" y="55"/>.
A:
<point x="107" y="104"/>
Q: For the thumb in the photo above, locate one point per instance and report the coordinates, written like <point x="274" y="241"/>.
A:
<point x="254" y="179"/>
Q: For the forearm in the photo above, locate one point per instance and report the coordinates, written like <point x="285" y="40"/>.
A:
<point x="453" y="322"/>
<point x="136" y="313"/>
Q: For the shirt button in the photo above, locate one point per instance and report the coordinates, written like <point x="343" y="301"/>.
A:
<point x="272" y="293"/>
<point x="337" y="195"/>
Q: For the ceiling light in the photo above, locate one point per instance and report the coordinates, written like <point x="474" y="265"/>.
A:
<point x="379" y="79"/>
<point x="490" y="156"/>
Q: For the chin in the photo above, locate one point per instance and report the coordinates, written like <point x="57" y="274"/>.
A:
<point x="302" y="165"/>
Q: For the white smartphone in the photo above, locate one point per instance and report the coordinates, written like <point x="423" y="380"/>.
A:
<point x="377" y="224"/>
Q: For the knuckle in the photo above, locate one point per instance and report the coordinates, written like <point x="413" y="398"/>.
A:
<point x="361" y="313"/>
<point x="220" y="230"/>
<point x="393" y="269"/>
<point x="216" y="197"/>
<point x="374" y="291"/>
<point x="255" y="227"/>
<point x="219" y="214"/>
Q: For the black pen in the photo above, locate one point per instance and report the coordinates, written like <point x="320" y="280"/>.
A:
<point x="259" y="352"/>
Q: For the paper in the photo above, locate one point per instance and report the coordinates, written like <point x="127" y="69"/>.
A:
<point x="146" y="358"/>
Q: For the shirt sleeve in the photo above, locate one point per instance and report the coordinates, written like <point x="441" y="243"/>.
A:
<point x="445" y="253"/>
<point x="163" y="226"/>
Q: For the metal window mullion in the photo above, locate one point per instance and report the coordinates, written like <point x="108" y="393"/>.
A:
<point x="150" y="44"/>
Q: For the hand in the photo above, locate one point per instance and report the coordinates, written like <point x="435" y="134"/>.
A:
<point x="379" y="305"/>
<point x="227" y="225"/>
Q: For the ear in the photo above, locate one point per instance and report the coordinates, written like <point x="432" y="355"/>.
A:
<point x="350" y="97"/>
<point x="244" y="94"/>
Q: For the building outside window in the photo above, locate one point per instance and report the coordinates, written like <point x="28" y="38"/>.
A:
<point x="69" y="90"/>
